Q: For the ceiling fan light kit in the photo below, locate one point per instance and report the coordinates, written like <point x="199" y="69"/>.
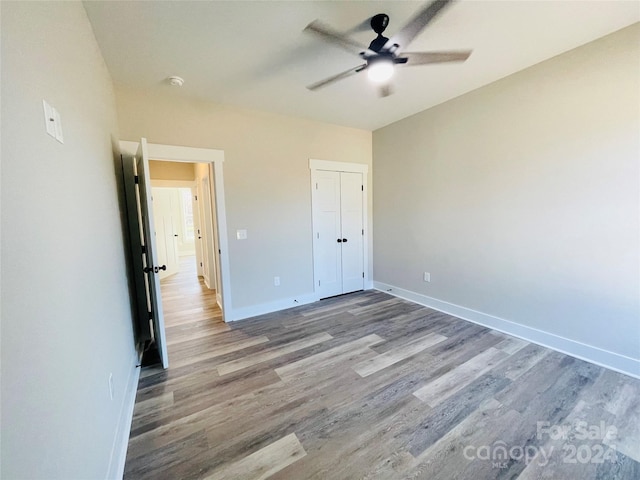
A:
<point x="383" y="54"/>
<point x="380" y="70"/>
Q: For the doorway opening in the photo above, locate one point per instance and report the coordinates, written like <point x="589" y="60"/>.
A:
<point x="185" y="223"/>
<point x="178" y="234"/>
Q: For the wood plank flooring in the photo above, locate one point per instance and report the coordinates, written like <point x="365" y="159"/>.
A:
<point x="368" y="386"/>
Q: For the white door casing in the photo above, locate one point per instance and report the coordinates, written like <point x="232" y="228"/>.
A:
<point x="210" y="278"/>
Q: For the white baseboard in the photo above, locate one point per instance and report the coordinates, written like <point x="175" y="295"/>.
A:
<point x="270" y="307"/>
<point x="121" y="439"/>
<point x="219" y="299"/>
<point x="613" y="361"/>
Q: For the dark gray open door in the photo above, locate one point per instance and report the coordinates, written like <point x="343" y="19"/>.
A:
<point x="150" y="259"/>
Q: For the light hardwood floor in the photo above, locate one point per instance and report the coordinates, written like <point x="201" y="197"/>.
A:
<point x="370" y="386"/>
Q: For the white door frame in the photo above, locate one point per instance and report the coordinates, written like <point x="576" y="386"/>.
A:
<point x="215" y="159"/>
<point x="327" y="165"/>
<point x="207" y="230"/>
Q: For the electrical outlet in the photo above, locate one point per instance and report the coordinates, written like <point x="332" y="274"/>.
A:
<point x="111" y="385"/>
<point x="276" y="281"/>
<point x="426" y="277"/>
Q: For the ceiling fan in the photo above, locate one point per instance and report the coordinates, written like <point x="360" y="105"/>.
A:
<point x="383" y="54"/>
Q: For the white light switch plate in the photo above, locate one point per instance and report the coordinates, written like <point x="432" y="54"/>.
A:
<point x="241" y="234"/>
<point x="53" y="122"/>
<point x="58" y="125"/>
<point x="49" y="120"/>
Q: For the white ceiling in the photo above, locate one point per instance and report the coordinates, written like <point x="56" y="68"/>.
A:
<point x="255" y="55"/>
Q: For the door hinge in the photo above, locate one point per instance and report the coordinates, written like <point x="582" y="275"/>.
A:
<point x="316" y="185"/>
<point x="201" y="264"/>
<point x="318" y="235"/>
<point x="219" y="252"/>
<point x="136" y="179"/>
<point x="144" y="249"/>
<point x="150" y="315"/>
<point x="196" y="196"/>
<point x="362" y="274"/>
<point x="363" y="231"/>
<point x="362" y="186"/>
<point x="318" y="282"/>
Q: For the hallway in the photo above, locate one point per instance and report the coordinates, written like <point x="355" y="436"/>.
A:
<point x="190" y="309"/>
<point x="191" y="317"/>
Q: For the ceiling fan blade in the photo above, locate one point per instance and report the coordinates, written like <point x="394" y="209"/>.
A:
<point x="404" y="37"/>
<point x="336" y="38"/>
<point x="423" y="58"/>
<point x="385" y="90"/>
<point x="364" y="26"/>
<point x="335" y="78"/>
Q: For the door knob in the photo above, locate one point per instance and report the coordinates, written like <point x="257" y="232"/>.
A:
<point x="155" y="269"/>
<point x="344" y="240"/>
<point x="339" y="240"/>
<point x="175" y="235"/>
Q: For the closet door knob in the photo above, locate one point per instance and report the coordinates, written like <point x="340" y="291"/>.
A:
<point x="344" y="240"/>
<point x="339" y="240"/>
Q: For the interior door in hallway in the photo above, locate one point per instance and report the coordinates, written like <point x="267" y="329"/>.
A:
<point x="338" y="233"/>
<point x="151" y="266"/>
<point x="166" y="225"/>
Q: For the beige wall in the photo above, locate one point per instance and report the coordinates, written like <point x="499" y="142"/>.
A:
<point x="522" y="198"/>
<point x="266" y="180"/>
<point x="66" y="318"/>
<point x="162" y="170"/>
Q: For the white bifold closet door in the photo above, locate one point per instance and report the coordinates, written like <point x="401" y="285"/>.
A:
<point x="338" y="233"/>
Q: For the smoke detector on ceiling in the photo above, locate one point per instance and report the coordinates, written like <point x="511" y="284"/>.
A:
<point x="176" y="81"/>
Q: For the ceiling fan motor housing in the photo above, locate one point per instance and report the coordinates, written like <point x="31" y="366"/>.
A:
<point x="379" y="22"/>
<point x="378" y="43"/>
